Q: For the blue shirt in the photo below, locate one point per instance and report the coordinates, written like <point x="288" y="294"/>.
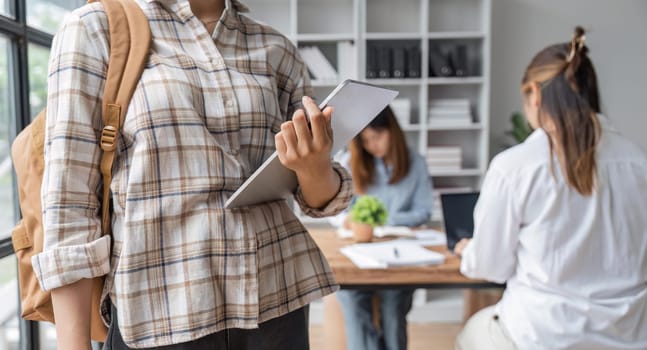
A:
<point x="408" y="202"/>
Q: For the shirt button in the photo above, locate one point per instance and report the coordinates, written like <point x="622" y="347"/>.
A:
<point x="229" y="103"/>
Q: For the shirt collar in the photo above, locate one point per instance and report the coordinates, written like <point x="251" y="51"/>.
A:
<point x="182" y="7"/>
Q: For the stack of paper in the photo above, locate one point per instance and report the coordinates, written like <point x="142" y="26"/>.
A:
<point x="449" y="112"/>
<point x="321" y="69"/>
<point x="444" y="158"/>
<point x="390" y="254"/>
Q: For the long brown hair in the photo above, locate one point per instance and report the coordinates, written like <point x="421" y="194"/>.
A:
<point x="362" y="163"/>
<point x="569" y="106"/>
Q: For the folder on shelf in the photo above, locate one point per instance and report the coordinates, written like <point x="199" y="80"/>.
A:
<point x="413" y="62"/>
<point x="399" y="63"/>
<point x="371" y="62"/>
<point x="459" y="61"/>
<point x="384" y="62"/>
<point x="439" y="64"/>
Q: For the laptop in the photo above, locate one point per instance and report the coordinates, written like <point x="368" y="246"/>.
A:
<point x="458" y="209"/>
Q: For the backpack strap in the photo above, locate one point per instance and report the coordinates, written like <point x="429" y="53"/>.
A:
<point x="130" y="39"/>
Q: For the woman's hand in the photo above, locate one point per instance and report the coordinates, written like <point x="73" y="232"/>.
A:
<point x="306" y="151"/>
<point x="460" y="246"/>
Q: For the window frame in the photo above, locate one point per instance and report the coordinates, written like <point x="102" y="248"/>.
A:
<point x="20" y="35"/>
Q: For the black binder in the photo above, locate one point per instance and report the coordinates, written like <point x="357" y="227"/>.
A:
<point x="399" y="62"/>
<point x="439" y="64"/>
<point x="459" y="61"/>
<point x="384" y="62"/>
<point x="371" y="62"/>
<point x="413" y="62"/>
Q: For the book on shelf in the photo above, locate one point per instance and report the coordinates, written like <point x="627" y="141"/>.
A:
<point x="439" y="63"/>
<point x="399" y="63"/>
<point x="402" y="109"/>
<point x="371" y="62"/>
<point x="449" y="112"/>
<point x="444" y="151"/>
<point x="450" y="103"/>
<point x="320" y="68"/>
<point x="413" y="62"/>
<point x="459" y="61"/>
<point x="384" y="62"/>
<point x="346" y="60"/>
<point x="444" y="158"/>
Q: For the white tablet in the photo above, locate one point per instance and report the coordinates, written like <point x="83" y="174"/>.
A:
<point x="355" y="105"/>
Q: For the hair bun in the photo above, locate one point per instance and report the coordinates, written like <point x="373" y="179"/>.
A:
<point x="577" y="43"/>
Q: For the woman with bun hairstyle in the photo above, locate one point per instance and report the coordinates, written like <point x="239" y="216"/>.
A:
<point x="562" y="221"/>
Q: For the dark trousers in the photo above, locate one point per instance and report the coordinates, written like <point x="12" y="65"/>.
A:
<point x="288" y="332"/>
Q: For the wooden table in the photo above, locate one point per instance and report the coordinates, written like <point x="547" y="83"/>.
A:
<point x="349" y="276"/>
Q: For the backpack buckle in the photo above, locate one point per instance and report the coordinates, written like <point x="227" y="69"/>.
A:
<point x="108" y="138"/>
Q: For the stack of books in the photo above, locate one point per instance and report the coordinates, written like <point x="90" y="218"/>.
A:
<point x="437" y="207"/>
<point x="321" y="70"/>
<point x="449" y="112"/>
<point x="444" y="158"/>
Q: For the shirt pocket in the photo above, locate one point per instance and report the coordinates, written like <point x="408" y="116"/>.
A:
<point x="180" y="92"/>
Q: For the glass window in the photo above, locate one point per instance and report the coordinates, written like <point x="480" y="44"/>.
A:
<point x="37" y="60"/>
<point x="9" y="323"/>
<point x="5" y="8"/>
<point x="47" y="333"/>
<point x="7" y="116"/>
<point x="47" y="15"/>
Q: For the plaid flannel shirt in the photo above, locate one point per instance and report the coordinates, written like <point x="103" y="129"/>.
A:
<point x="202" y="119"/>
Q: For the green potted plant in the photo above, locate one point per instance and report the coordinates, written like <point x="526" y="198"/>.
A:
<point x="520" y="128"/>
<point x="366" y="213"/>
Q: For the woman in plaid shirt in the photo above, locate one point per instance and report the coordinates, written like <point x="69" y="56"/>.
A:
<point x="219" y="93"/>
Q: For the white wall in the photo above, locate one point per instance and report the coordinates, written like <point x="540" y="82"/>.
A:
<point x="617" y="39"/>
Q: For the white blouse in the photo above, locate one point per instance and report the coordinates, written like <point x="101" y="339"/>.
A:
<point x="575" y="266"/>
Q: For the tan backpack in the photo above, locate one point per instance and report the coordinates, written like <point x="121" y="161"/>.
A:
<point x="129" y="45"/>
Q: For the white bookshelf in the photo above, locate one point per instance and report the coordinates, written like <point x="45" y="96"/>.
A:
<point x="425" y="24"/>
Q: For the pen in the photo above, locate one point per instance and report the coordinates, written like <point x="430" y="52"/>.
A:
<point x="395" y="252"/>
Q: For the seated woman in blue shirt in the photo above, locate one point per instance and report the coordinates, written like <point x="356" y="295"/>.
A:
<point x="383" y="166"/>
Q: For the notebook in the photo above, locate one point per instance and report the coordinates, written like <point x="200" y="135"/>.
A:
<point x="355" y="105"/>
<point x="458" y="216"/>
<point x="390" y="254"/>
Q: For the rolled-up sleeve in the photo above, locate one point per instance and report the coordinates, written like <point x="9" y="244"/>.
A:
<point x="337" y="204"/>
<point x="73" y="246"/>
